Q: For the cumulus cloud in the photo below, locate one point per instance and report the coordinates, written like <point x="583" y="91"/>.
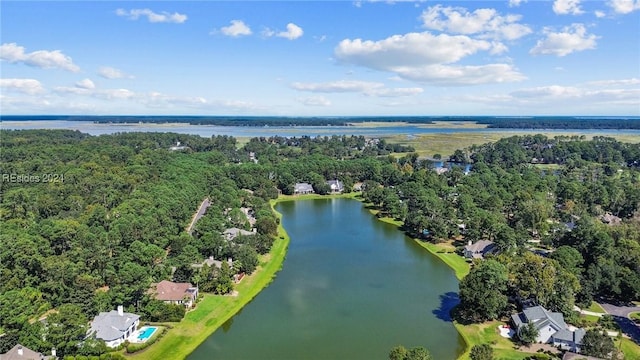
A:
<point x="516" y="3"/>
<point x="428" y="58"/>
<point x="25" y="86"/>
<point x="86" y="84"/>
<point x="571" y="39"/>
<point x="153" y="17"/>
<point x="44" y="59"/>
<point x="624" y="6"/>
<point x="236" y="29"/>
<point x="564" y="7"/>
<point x="368" y="88"/>
<point x="113" y="73"/>
<point x="314" y="101"/>
<point x="293" y="32"/>
<point x="621" y="82"/>
<point x="486" y="23"/>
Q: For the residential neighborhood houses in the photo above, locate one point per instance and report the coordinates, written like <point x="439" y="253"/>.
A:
<point x="175" y="293"/>
<point x="114" y="327"/>
<point x="302" y="188"/>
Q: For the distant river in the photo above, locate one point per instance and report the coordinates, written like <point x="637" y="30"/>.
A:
<point x="351" y="288"/>
<point x="289" y="131"/>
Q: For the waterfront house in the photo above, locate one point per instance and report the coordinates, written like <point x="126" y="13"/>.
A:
<point x="171" y="292"/>
<point x="551" y="328"/>
<point x="336" y="186"/>
<point x="302" y="188"/>
<point x="114" y="327"/>
<point x="479" y="249"/>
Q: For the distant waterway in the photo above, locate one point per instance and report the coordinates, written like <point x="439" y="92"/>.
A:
<point x="351" y="287"/>
<point x="288" y="131"/>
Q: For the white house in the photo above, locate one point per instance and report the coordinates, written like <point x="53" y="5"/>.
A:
<point x="114" y="327"/>
<point x="336" y="186"/>
<point x="302" y="188"/>
<point x="551" y="327"/>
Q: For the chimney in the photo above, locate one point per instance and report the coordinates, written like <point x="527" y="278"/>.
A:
<point x="469" y="243"/>
<point x="53" y="352"/>
<point x="20" y="351"/>
<point x="120" y="310"/>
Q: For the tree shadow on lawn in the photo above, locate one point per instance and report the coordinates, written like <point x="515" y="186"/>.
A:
<point x="448" y="301"/>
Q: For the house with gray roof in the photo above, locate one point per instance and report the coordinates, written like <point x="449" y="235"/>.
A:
<point x="479" y="249"/>
<point x="114" y="327"/>
<point x="336" y="186"/>
<point x="19" y="352"/>
<point x="551" y="327"/>
<point x="302" y="188"/>
<point x="233" y="233"/>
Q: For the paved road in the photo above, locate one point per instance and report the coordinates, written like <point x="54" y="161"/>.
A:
<point x="201" y="210"/>
<point x="621" y="315"/>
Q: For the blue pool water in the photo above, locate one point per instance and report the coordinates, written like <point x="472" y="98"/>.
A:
<point x="146" y="332"/>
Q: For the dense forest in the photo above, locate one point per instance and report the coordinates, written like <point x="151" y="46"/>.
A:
<point x="534" y="122"/>
<point x="90" y="222"/>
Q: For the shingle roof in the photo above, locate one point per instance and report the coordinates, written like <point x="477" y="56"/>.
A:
<point x="170" y="291"/>
<point x="27" y="354"/>
<point x="302" y="187"/>
<point x="110" y="325"/>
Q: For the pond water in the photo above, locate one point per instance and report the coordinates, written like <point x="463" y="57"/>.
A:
<point x="351" y="287"/>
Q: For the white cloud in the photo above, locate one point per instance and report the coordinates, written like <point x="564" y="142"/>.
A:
<point x="516" y="3"/>
<point x="599" y="14"/>
<point x="26" y="86"/>
<point x="571" y="39"/>
<point x="564" y="7"/>
<point x="622" y="82"/>
<point x="486" y="23"/>
<point x="153" y="17"/>
<point x="367" y="88"/>
<point x="293" y="32"/>
<point x="427" y="58"/>
<point x="44" y="59"/>
<point x="113" y="73"/>
<point x="236" y="29"/>
<point x="314" y="101"/>
<point x="86" y="84"/>
<point x="624" y="6"/>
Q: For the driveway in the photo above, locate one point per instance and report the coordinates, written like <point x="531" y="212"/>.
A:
<point x="621" y="316"/>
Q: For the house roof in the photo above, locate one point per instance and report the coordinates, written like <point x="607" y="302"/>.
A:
<point x="110" y="325"/>
<point x="573" y="356"/>
<point x="480" y="247"/>
<point x="570" y="336"/>
<point x="234" y="232"/>
<point x="27" y="354"/>
<point x="170" y="291"/>
<point x="299" y="187"/>
<point x="542" y="317"/>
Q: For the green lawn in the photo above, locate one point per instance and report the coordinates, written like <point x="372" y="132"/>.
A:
<point x="635" y="316"/>
<point x="630" y="349"/>
<point x="459" y="264"/>
<point x="487" y="333"/>
<point x="595" y="307"/>
<point x="214" y="310"/>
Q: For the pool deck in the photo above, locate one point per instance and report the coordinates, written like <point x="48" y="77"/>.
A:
<point x="134" y="338"/>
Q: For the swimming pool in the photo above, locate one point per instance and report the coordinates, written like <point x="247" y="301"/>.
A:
<point x="145" y="333"/>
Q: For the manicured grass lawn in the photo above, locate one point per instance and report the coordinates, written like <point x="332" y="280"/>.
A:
<point x="635" y="315"/>
<point x="592" y="319"/>
<point x="595" y="307"/>
<point x="459" y="265"/>
<point x="214" y="310"/>
<point x="630" y="349"/>
<point x="487" y="333"/>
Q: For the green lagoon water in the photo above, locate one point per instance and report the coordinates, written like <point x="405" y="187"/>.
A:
<point x="351" y="288"/>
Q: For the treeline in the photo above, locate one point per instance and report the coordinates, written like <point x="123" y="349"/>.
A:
<point x="534" y="122"/>
<point x="562" y="122"/>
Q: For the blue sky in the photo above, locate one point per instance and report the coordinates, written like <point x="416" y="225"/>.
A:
<point x="321" y="58"/>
